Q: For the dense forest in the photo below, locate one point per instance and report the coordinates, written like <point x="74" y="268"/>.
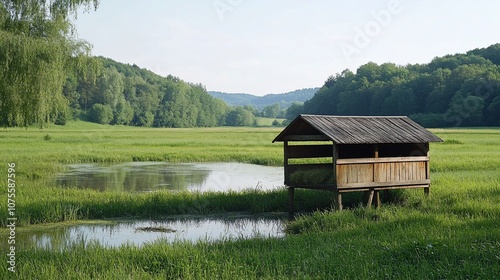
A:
<point x="454" y="90"/>
<point x="129" y="95"/>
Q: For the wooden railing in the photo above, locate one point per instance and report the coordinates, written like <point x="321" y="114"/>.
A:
<point x="368" y="173"/>
<point x="383" y="172"/>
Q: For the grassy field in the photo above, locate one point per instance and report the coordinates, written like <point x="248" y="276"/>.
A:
<point x="453" y="234"/>
<point x="260" y="121"/>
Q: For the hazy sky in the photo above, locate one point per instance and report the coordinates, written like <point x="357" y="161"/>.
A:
<point x="276" y="46"/>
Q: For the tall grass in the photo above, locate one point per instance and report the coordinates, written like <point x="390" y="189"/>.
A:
<point x="392" y="243"/>
<point x="39" y="158"/>
<point x="453" y="234"/>
<point x="51" y="204"/>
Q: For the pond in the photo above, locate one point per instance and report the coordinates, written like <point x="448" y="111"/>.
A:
<point x="140" y="232"/>
<point x="152" y="176"/>
<point x="155" y="176"/>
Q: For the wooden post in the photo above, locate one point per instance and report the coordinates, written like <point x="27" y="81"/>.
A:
<point x="334" y="163"/>
<point x="427" y="189"/>
<point x="291" y="192"/>
<point x="338" y="200"/>
<point x="375" y="164"/>
<point x="366" y="196"/>
<point x="338" y="195"/>
<point x="370" y="199"/>
<point x="285" y="163"/>
<point x="377" y="199"/>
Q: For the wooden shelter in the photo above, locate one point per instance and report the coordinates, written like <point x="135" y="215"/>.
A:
<point x="349" y="154"/>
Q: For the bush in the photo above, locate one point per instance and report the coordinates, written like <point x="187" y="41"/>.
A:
<point x="100" y="113"/>
<point x="240" y="117"/>
<point x="61" y="118"/>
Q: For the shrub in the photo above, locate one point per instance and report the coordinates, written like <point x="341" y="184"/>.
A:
<point x="101" y="113"/>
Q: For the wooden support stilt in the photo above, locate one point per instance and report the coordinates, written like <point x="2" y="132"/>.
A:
<point x="291" y="192"/>
<point x="370" y="199"/>
<point x="366" y="195"/>
<point x="339" y="200"/>
<point x="377" y="199"/>
<point x="427" y="190"/>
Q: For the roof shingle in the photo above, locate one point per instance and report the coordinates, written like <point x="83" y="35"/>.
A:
<point x="360" y="129"/>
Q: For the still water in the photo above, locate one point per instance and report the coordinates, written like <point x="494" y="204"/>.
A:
<point x="152" y="176"/>
<point x="140" y="232"/>
<point x="155" y="176"/>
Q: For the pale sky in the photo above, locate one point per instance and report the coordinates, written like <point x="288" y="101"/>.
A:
<point x="276" y="46"/>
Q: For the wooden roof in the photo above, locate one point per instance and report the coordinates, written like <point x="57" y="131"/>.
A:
<point x="356" y="130"/>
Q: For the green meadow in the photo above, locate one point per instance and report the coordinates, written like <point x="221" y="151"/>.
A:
<point x="452" y="234"/>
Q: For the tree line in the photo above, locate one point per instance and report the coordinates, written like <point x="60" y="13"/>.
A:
<point x="48" y="76"/>
<point x="454" y="90"/>
<point x="129" y="95"/>
<point x="125" y="94"/>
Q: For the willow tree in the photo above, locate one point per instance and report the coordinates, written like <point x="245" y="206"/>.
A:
<point x="38" y="47"/>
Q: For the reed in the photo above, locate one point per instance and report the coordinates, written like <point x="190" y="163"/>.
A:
<point x="453" y="234"/>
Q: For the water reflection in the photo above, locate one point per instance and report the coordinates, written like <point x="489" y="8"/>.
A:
<point x="127" y="232"/>
<point x="151" y="176"/>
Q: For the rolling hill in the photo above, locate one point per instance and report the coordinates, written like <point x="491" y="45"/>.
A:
<point x="259" y="102"/>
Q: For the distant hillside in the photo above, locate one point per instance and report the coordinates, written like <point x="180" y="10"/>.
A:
<point x="259" y="102"/>
<point x="126" y="94"/>
<point x="234" y="99"/>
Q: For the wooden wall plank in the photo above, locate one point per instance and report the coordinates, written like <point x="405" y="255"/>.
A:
<point x="380" y="160"/>
<point x="397" y="171"/>
<point x="381" y="188"/>
<point x="306" y="138"/>
<point x="381" y="185"/>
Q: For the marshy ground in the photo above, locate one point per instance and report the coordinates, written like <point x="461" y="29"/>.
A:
<point x="452" y="234"/>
